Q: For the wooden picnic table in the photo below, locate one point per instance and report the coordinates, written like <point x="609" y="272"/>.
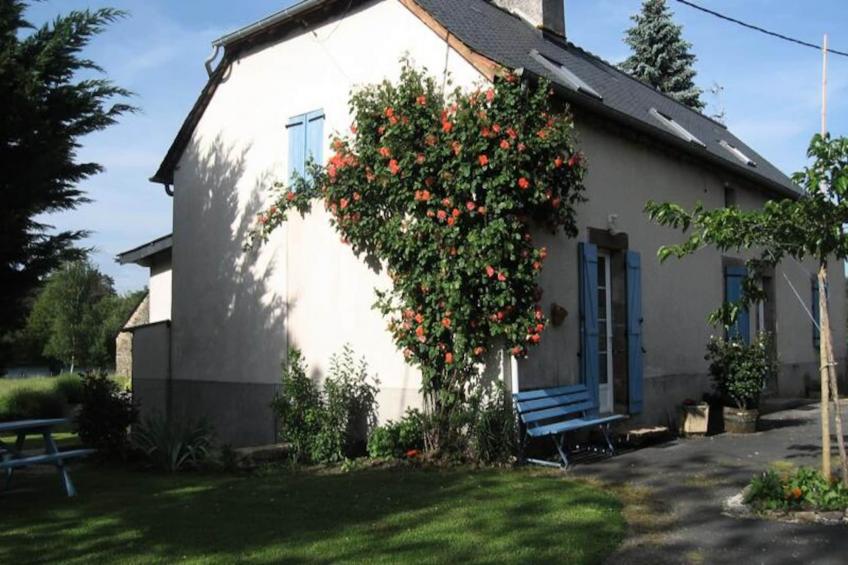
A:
<point x="13" y="457"/>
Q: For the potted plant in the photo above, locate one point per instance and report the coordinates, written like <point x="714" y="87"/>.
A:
<point x="694" y="418"/>
<point x="739" y="371"/>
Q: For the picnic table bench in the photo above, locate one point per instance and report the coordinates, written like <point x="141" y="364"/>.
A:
<point x="13" y="457"/>
<point x="553" y="412"/>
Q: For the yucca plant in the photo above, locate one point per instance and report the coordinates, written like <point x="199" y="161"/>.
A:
<point x="173" y="445"/>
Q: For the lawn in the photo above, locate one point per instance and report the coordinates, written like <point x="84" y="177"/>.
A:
<point x="374" y="516"/>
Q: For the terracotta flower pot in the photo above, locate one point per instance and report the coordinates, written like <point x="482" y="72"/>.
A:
<point x="739" y="421"/>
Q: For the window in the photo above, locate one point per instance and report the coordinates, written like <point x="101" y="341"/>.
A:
<point x="564" y="76"/>
<point x="306" y="140"/>
<point x="672" y="127"/>
<point x="733" y="280"/>
<point x="738" y="154"/>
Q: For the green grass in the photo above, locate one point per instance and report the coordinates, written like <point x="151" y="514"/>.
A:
<point x="373" y="516"/>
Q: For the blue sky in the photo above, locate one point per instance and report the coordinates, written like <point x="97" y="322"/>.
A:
<point x="771" y="90"/>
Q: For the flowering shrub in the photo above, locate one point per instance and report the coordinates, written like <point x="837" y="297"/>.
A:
<point x="740" y="370"/>
<point x="796" y="489"/>
<point x="443" y="190"/>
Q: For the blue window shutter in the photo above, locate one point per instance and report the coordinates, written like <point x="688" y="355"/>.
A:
<point x="296" y="129"/>
<point x="815" y="311"/>
<point x="589" y="318"/>
<point x="634" y="331"/>
<point x="315" y="136"/>
<point x="733" y="277"/>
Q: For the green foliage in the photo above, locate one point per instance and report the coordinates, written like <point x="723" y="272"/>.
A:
<point x="26" y="404"/>
<point x="661" y="57"/>
<point x="51" y="98"/>
<point x="70" y="387"/>
<point x="739" y="370"/>
<point x="493" y="431"/>
<point x="173" y="445"/>
<point x="325" y="426"/>
<point x="105" y="415"/>
<point x="397" y="439"/>
<point x="65" y="316"/>
<point x="803" y="488"/>
<point x="443" y="190"/>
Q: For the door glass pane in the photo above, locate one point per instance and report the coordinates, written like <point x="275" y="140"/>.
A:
<point x="602" y="335"/>
<point x="602" y="304"/>
<point x="602" y="270"/>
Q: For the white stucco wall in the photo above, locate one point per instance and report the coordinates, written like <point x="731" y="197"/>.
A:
<point x="160" y="288"/>
<point x="234" y="313"/>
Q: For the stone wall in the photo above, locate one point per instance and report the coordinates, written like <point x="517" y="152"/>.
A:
<point x="123" y="342"/>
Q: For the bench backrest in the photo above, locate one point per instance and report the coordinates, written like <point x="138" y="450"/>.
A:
<point x="559" y="403"/>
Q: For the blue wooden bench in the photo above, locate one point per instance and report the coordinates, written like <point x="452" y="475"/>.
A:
<point x="553" y="412"/>
<point x="12" y="458"/>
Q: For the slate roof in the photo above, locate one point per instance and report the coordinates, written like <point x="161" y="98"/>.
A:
<point x="510" y="41"/>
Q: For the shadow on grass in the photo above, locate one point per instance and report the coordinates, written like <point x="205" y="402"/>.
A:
<point x="374" y="515"/>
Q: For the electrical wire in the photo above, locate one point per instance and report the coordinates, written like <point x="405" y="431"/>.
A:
<point x="759" y="29"/>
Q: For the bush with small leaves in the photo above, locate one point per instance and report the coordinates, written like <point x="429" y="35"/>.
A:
<point x="105" y="415"/>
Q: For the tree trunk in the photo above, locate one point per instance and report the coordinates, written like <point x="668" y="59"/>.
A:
<point x="826" y="345"/>
<point x="72" y="363"/>
<point x="824" y="370"/>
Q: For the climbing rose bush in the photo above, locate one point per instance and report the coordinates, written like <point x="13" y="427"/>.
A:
<point x="443" y="190"/>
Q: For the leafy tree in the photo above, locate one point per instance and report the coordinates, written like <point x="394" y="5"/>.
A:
<point x="811" y="226"/>
<point x="67" y="315"/>
<point x="111" y="313"/>
<point x="661" y="57"/>
<point x="47" y="109"/>
<point x="443" y="190"/>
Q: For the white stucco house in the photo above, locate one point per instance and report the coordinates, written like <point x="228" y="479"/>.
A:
<point x="284" y="81"/>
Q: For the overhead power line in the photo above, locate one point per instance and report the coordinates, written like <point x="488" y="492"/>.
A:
<point x="761" y="30"/>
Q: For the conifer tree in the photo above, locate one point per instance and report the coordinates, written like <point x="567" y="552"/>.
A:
<point x="661" y="57"/>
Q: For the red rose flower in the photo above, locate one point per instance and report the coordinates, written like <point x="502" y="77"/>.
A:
<point x="421" y="100"/>
<point x="558" y="162"/>
<point x="490" y="271"/>
<point x="523" y="183"/>
<point x="446" y="322"/>
<point x="575" y="160"/>
<point x="390" y="112"/>
<point x="343" y="203"/>
<point x="393" y="166"/>
<point x="478" y="351"/>
<point x="456" y="147"/>
<point x="419" y="318"/>
<point x="290" y="196"/>
<point x="451" y="221"/>
<point x="442" y="215"/>
<point x="490" y="95"/>
<point x="485" y="132"/>
<point x="501" y="277"/>
<point x="420" y="159"/>
<point x="470" y="206"/>
<point x="455" y="213"/>
<point x="412" y="453"/>
<point x="496" y="128"/>
<point x="504" y="144"/>
<point x="447" y="126"/>
<point x="484" y="160"/>
<point x="385" y="152"/>
<point x="449" y="358"/>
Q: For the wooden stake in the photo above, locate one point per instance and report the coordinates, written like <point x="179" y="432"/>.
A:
<point x="824" y="319"/>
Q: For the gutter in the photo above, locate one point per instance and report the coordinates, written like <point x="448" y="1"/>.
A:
<point x="267" y="22"/>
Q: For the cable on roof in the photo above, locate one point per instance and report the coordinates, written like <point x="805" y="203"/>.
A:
<point x="761" y="30"/>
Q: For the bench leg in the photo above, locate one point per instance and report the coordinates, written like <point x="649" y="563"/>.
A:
<point x="60" y="465"/>
<point x="560" y="445"/>
<point x="605" y="431"/>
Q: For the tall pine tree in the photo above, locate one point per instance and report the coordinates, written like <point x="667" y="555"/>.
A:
<point x="47" y="108"/>
<point x="661" y="56"/>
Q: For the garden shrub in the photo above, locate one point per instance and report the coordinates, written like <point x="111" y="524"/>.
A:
<point x="800" y="489"/>
<point x="32" y="404"/>
<point x="326" y="425"/>
<point x="173" y="445"/>
<point x="492" y="431"/>
<point x="740" y="370"/>
<point x="105" y="415"/>
<point x="396" y="439"/>
<point x="70" y="387"/>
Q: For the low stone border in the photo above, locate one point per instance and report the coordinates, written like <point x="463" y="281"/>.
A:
<point x="735" y="507"/>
